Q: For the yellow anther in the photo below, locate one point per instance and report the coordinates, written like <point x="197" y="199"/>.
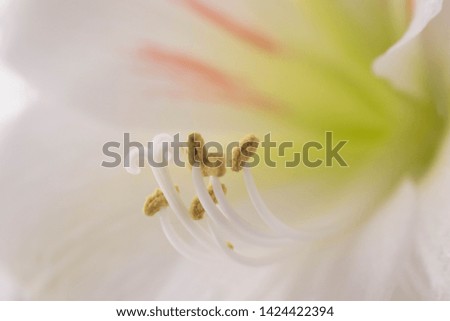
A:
<point x="195" y="149"/>
<point x="196" y="209"/>
<point x="246" y="150"/>
<point x="230" y="246"/>
<point x="156" y="202"/>
<point x="212" y="164"/>
<point x="215" y="165"/>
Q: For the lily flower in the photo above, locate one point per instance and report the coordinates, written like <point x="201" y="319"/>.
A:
<point x="373" y="73"/>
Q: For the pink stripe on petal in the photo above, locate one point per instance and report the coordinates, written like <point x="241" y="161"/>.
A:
<point x="202" y="81"/>
<point x="410" y="6"/>
<point x="187" y="64"/>
<point x="236" y="28"/>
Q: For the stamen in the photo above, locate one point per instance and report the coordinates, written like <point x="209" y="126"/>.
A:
<point x="134" y="168"/>
<point x="242" y="154"/>
<point x="266" y="215"/>
<point x="196" y="210"/>
<point x="220" y="223"/>
<point x="197" y="156"/>
<point x="156" y="202"/>
<point x="174" y="200"/>
<point x="225" y="226"/>
<point x="177" y="242"/>
<point x="264" y="238"/>
<point x="215" y="166"/>
<point x="195" y="149"/>
<point x="268" y="259"/>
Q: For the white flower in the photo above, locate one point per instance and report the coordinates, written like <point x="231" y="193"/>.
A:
<point x="70" y="229"/>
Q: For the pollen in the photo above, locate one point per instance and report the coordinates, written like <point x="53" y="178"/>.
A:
<point x="215" y="166"/>
<point x="230" y="246"/>
<point x="242" y="154"/>
<point x="211" y="164"/>
<point x="156" y="202"/>
<point x="195" y="149"/>
<point x="196" y="210"/>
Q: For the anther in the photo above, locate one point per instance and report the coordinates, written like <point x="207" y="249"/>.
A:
<point x="195" y="149"/>
<point x="211" y="164"/>
<point x="242" y="154"/>
<point x="196" y="209"/>
<point x="156" y="202"/>
<point x="215" y="165"/>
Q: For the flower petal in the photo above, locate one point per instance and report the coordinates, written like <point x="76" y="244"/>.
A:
<point x="433" y="234"/>
<point x="99" y="71"/>
<point x="366" y="265"/>
<point x="64" y="216"/>
<point x="400" y="63"/>
<point x="10" y="289"/>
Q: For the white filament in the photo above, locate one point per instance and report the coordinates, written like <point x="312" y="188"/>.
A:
<point x="220" y="221"/>
<point x="133" y="157"/>
<point x="266" y="238"/>
<point x="265" y="213"/>
<point x="179" y="243"/>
